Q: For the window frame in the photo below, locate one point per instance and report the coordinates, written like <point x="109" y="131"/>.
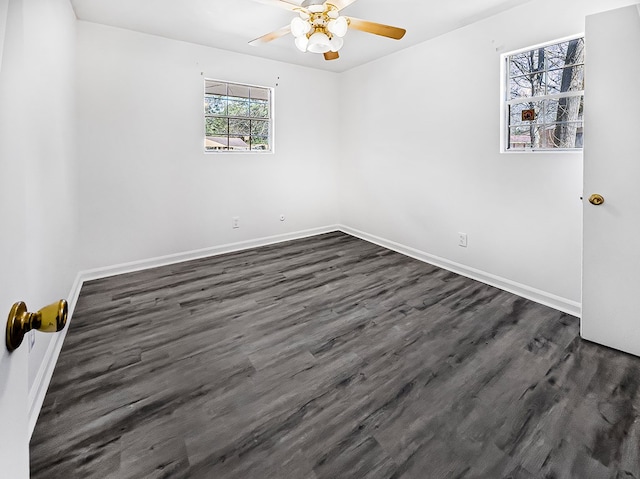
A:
<point x="505" y="101"/>
<point x="270" y="119"/>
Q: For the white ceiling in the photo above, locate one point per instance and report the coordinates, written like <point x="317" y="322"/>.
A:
<point x="231" y="24"/>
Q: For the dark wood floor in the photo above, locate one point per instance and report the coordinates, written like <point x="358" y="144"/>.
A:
<point x="330" y="357"/>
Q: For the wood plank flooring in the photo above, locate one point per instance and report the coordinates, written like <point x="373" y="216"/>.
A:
<point x="330" y="357"/>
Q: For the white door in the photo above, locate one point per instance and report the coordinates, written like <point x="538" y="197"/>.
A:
<point x="611" y="255"/>
<point x="14" y="437"/>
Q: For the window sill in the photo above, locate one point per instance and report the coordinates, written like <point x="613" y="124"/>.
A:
<point x="241" y="152"/>
<point x="543" y="151"/>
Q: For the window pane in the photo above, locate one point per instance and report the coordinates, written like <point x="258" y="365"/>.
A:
<point x="565" y="109"/>
<point x="216" y="143"/>
<point x="239" y="127"/>
<point x="526" y="62"/>
<point x="238" y="107"/>
<point x="212" y="87"/>
<point x="260" y="143"/>
<point x="549" y="113"/>
<point x="216" y="126"/>
<point x="238" y="143"/>
<point x="239" y="91"/>
<point x="259" y="109"/>
<point x="260" y="93"/>
<point x="525" y="137"/>
<point x="566" y="79"/>
<point x="215" y="105"/>
<point x="526" y="86"/>
<point x="571" y="108"/>
<point x="515" y="112"/>
<point x="260" y="128"/>
<point x="564" y="135"/>
<point x="566" y="53"/>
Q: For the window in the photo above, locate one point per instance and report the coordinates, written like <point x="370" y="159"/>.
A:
<point x="544" y="97"/>
<point x="237" y="117"/>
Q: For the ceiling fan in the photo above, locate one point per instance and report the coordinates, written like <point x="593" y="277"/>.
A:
<point x="319" y="27"/>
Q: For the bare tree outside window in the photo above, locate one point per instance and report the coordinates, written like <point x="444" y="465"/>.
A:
<point x="549" y="81"/>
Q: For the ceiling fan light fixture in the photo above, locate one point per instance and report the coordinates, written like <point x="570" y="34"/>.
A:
<point x="336" y="43"/>
<point x="338" y="27"/>
<point x="302" y="43"/>
<point x="319" y="27"/>
<point x="319" y="42"/>
<point x="299" y="27"/>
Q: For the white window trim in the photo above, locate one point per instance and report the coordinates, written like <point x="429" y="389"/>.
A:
<point x="272" y="123"/>
<point x="504" y="103"/>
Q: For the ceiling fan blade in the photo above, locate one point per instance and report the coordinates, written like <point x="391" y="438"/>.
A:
<point x="331" y="56"/>
<point x="376" y="28"/>
<point x="280" y="3"/>
<point x="271" y="36"/>
<point x="340" y="4"/>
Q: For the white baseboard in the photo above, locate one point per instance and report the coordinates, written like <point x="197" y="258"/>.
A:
<point x="140" y="265"/>
<point x="41" y="382"/>
<point x="543" y="297"/>
<point x="45" y="372"/>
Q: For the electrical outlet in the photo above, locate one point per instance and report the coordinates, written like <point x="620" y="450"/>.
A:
<point x="235" y="222"/>
<point x="462" y="239"/>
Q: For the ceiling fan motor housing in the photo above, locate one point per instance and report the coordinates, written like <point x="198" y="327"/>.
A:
<point x="308" y="3"/>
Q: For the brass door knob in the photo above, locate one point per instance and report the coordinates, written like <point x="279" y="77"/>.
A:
<point x="49" y="319"/>
<point x="596" y="199"/>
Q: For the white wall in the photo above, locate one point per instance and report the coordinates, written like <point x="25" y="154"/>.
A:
<point x="37" y="198"/>
<point x="422" y="157"/>
<point x="147" y="187"/>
